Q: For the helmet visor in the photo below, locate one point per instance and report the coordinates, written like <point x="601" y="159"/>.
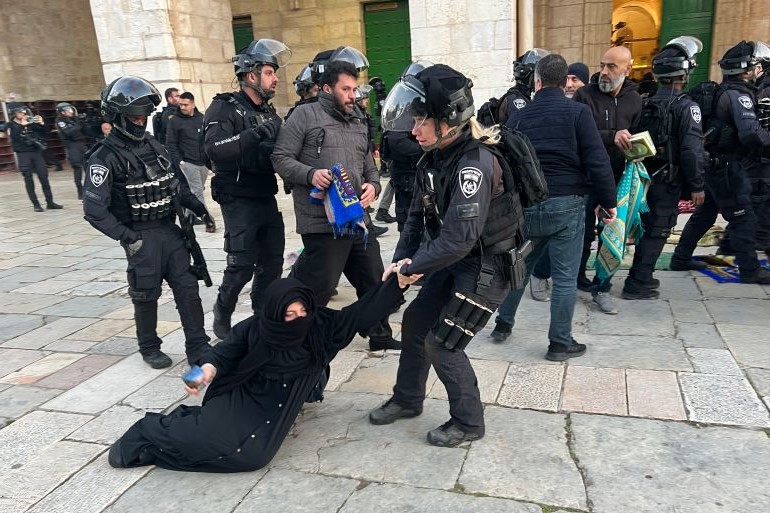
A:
<point x="404" y="107"/>
<point x="363" y="91"/>
<point x="351" y="55"/>
<point x="690" y="45"/>
<point x="269" y="51"/>
<point x="533" y="56"/>
<point x="128" y="90"/>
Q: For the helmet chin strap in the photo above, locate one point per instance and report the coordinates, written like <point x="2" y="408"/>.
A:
<point x="441" y="137"/>
<point x="266" y="95"/>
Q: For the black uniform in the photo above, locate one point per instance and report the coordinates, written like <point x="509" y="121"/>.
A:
<point x="298" y="103"/>
<point x="681" y="164"/>
<point x="727" y="177"/>
<point x="27" y="141"/>
<point x="516" y="98"/>
<point x="403" y="152"/>
<point x="465" y="178"/>
<point x="245" y="186"/>
<point x="144" y="212"/>
<point x="71" y="131"/>
<point x="160" y="122"/>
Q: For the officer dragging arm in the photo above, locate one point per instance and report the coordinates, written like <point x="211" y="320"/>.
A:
<point x="674" y="123"/>
<point x="132" y="194"/>
<point x="240" y="131"/>
<point x="457" y="188"/>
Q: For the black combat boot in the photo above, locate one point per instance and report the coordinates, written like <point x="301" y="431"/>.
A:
<point x="761" y="276"/>
<point x="157" y="359"/>
<point x="449" y="435"/>
<point x="559" y="352"/>
<point x="389" y="412"/>
<point x="221" y="322"/>
<point x="37" y="208"/>
<point x="678" y="264"/>
<point x="636" y="289"/>
<point x="53" y="206"/>
<point x="384" y="216"/>
<point x="502" y="331"/>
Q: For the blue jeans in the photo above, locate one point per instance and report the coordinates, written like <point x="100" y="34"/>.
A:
<point x="555" y="227"/>
<point x="542" y="268"/>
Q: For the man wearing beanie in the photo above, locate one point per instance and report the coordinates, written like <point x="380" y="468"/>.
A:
<point x="577" y="77"/>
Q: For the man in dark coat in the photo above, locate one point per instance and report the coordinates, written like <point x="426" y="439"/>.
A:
<point x="265" y="371"/>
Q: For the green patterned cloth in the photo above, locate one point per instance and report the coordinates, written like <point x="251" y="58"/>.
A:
<point x="632" y="202"/>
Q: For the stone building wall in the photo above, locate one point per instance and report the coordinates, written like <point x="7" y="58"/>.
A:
<point x="181" y="43"/>
<point x="734" y="21"/>
<point x="48" y="51"/>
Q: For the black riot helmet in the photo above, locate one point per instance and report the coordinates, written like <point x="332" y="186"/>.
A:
<point x="416" y="67"/>
<point x="259" y="53"/>
<point x="743" y="57"/>
<point x="677" y="58"/>
<point x="303" y="82"/>
<point x="14" y="107"/>
<point x="342" y="53"/>
<point x="524" y="66"/>
<point x="66" y="106"/>
<point x="129" y="96"/>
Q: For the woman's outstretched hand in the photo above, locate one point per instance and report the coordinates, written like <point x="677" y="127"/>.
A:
<point x="403" y="281"/>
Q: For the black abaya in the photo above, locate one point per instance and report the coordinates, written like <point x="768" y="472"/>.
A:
<point x="243" y="427"/>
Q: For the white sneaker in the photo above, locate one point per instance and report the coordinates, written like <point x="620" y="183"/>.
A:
<point x="540" y="289"/>
<point x="606" y="303"/>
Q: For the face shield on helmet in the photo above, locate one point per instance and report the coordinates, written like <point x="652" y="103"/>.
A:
<point x="524" y="66"/>
<point x="351" y="55"/>
<point x="262" y="51"/>
<point x="690" y="45"/>
<point x="742" y="57"/>
<point x="416" y="67"/>
<point x="303" y="81"/>
<point x="677" y="58"/>
<point x="129" y="97"/>
<point x="405" y="106"/>
<point x="363" y="92"/>
<point x="762" y="55"/>
<point x="66" y="108"/>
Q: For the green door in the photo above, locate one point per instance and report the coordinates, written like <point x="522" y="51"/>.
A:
<point x="690" y="18"/>
<point x="388" y="43"/>
<point x="243" y="32"/>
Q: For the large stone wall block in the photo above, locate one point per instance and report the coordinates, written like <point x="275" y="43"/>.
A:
<point x="159" y="45"/>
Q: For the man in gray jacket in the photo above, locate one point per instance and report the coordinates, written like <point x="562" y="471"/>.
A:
<point x="317" y="136"/>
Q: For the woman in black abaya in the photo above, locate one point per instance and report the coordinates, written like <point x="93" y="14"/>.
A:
<point x="265" y="371"/>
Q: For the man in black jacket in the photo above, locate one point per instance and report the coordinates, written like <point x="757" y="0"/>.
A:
<point x="72" y="133"/>
<point x="27" y="135"/>
<point x="616" y="106"/>
<point x="160" y="119"/>
<point x="240" y="132"/>
<point x="574" y="162"/>
<point x="184" y="142"/>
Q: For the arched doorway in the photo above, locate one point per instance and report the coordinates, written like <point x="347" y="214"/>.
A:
<point x="636" y="24"/>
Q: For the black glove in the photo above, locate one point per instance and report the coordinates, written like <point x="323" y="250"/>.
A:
<point x="211" y="226"/>
<point x="268" y="131"/>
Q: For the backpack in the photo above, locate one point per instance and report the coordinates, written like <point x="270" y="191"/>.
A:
<point x="487" y="114"/>
<point x="657" y="119"/>
<point x="705" y="94"/>
<point x="515" y="150"/>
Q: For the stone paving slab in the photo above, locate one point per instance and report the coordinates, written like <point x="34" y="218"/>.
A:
<point x="51" y="332"/>
<point x="524" y="456"/>
<point x="78" y="372"/>
<point x="711" y="289"/>
<point x="83" y="307"/>
<point x="342" y="368"/>
<point x="690" y="310"/>
<point x="91" y="489"/>
<point x="44" y="471"/>
<point x="522" y="347"/>
<point x="42" y="368"/>
<point x="11" y="303"/>
<point x="285" y="491"/>
<point x="38" y="274"/>
<point x="722" y="400"/>
<point x="13" y="325"/>
<point x="592" y="390"/>
<point x="106" y="388"/>
<point x="532" y="386"/>
<point x="18" y="400"/>
<point x="634" y="317"/>
<point x="635" y="352"/>
<point x="52" y="286"/>
<point x="654" y="394"/>
<point x="405" y="499"/>
<point x="699" y="335"/>
<point x="748" y="343"/>
<point x="102" y="329"/>
<point x="162" y="490"/>
<point x="752" y="312"/>
<point x="12" y="360"/>
<point x="69" y="346"/>
<point x="96" y="288"/>
<point x="640" y="465"/>
<point x="714" y="361"/>
<point x="489" y="374"/>
<point x="158" y="394"/>
<point x="109" y="426"/>
<point x="119" y="346"/>
<point x="375" y="375"/>
<point x="760" y="378"/>
<point x="22" y="440"/>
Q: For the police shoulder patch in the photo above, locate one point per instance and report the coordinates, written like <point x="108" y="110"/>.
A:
<point x="745" y="100"/>
<point x="470" y="181"/>
<point x="61" y="124"/>
<point x="98" y="174"/>
<point x="695" y="113"/>
<point x="519" y="103"/>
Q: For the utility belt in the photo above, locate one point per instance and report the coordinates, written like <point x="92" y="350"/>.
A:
<point x="466" y="315"/>
<point x="148" y="225"/>
<point x="150" y="201"/>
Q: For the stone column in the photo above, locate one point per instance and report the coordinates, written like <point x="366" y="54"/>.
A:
<point x="525" y="25"/>
<point x="186" y="44"/>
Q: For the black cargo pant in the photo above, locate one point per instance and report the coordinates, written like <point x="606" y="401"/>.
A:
<point x="254" y="242"/>
<point x="759" y="177"/>
<point x="420" y="349"/>
<point x="403" y="185"/>
<point x="31" y="162"/>
<point x="75" y="152"/>
<point x="663" y="202"/>
<point x="728" y="191"/>
<point x="164" y="256"/>
<point x="326" y="258"/>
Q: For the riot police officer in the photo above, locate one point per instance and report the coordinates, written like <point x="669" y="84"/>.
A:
<point x="240" y="132"/>
<point x="734" y="147"/>
<point x="677" y="122"/>
<point x="72" y="134"/>
<point x="456" y="185"/>
<point x="519" y="96"/>
<point x="306" y="89"/>
<point x="129" y="195"/>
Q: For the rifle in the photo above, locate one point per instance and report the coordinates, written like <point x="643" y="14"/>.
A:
<point x="198" y="266"/>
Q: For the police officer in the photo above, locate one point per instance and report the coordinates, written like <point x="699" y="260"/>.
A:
<point x="761" y="184"/>
<point x="240" y="132"/>
<point x="519" y="96"/>
<point x="454" y="190"/>
<point x="737" y="141"/>
<point x="679" y="160"/>
<point x="129" y="193"/>
<point x="72" y="133"/>
<point x="306" y="89"/>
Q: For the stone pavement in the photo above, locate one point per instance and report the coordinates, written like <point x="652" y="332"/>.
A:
<point x="667" y="412"/>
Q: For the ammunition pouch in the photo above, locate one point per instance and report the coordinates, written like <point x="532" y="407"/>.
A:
<point x="465" y="315"/>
